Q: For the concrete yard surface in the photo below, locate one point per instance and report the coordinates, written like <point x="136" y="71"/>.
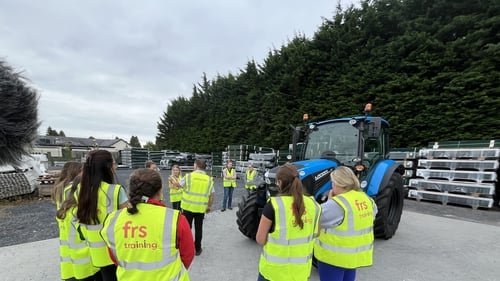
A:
<point x="425" y="248"/>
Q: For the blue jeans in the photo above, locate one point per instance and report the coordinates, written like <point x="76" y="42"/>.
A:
<point x="328" y="272"/>
<point x="228" y="197"/>
<point x="261" y="278"/>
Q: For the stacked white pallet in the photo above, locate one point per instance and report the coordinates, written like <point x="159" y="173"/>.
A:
<point x="464" y="176"/>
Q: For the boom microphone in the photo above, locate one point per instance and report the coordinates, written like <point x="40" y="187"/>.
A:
<point x="18" y="116"/>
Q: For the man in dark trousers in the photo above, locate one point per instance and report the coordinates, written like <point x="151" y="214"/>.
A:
<point x="197" y="199"/>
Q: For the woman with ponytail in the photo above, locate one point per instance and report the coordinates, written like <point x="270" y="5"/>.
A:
<point x="77" y="259"/>
<point x="98" y="195"/>
<point x="148" y="241"/>
<point x="287" y="230"/>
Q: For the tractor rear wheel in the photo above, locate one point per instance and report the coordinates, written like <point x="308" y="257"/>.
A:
<point x="248" y="215"/>
<point x="390" y="200"/>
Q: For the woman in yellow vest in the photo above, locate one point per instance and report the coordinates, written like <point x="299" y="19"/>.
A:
<point x="287" y="229"/>
<point x="70" y="170"/>
<point x="175" y="189"/>
<point x="97" y="197"/>
<point x="78" y="253"/>
<point x="148" y="241"/>
<point x="346" y="238"/>
<point x="250" y="174"/>
<point x="229" y="183"/>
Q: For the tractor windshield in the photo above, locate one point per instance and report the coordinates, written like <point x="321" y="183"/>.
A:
<point x="341" y="138"/>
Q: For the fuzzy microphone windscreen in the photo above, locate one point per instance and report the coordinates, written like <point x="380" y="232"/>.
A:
<point x="18" y="116"/>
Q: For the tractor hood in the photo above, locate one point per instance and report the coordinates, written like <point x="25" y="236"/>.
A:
<point x="314" y="167"/>
<point x="314" y="174"/>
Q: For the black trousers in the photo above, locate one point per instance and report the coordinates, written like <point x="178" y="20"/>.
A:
<point x="176" y="205"/>
<point x="109" y="273"/>
<point x="198" y="226"/>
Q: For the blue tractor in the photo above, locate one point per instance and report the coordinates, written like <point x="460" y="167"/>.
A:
<point x="318" y="148"/>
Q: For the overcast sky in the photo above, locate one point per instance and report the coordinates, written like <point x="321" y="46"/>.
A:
<point x="109" y="68"/>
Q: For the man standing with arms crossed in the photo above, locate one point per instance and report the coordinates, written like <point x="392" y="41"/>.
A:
<point x="197" y="199"/>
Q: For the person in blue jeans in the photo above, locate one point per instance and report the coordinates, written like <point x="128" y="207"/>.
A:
<point x="229" y="183"/>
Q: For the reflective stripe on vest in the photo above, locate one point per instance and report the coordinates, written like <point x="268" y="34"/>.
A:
<point x="228" y="182"/>
<point x="145" y="262"/>
<point x="98" y="250"/>
<point x="250" y="175"/>
<point x="64" y="233"/>
<point x="288" y="251"/>
<point x="166" y="258"/>
<point x="196" y="193"/>
<point x="78" y="255"/>
<point x="350" y="222"/>
<point x="350" y="244"/>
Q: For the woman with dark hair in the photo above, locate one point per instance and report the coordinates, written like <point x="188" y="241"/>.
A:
<point x="71" y="267"/>
<point x="77" y="259"/>
<point x="148" y="241"/>
<point x="98" y="196"/>
<point x="287" y="230"/>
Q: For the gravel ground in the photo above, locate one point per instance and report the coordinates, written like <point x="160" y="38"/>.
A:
<point x="29" y="220"/>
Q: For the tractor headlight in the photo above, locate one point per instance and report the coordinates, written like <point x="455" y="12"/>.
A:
<point x="266" y="177"/>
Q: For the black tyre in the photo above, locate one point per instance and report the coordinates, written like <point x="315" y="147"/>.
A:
<point x="248" y="215"/>
<point x="389" y="200"/>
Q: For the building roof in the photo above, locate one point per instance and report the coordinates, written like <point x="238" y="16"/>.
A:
<point x="75" y="142"/>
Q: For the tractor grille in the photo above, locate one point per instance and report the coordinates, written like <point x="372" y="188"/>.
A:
<point x="320" y="182"/>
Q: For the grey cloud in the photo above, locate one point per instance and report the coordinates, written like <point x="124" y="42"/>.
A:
<point x="110" y="67"/>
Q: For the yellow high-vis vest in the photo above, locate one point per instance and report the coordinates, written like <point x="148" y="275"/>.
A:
<point x="287" y="254"/>
<point x="250" y="176"/>
<point x="350" y="244"/>
<point x="144" y="244"/>
<point x="64" y="251"/>
<point x="228" y="182"/>
<point x="197" y="189"/>
<point x="107" y="202"/>
<point x="77" y="261"/>
<point x="175" y="194"/>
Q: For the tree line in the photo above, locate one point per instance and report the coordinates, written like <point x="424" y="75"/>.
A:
<point x="430" y="67"/>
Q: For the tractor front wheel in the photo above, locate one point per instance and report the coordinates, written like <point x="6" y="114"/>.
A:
<point x="389" y="200"/>
<point x="248" y="215"/>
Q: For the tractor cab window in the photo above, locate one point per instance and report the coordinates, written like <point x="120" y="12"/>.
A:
<point x="376" y="148"/>
<point x="339" y="137"/>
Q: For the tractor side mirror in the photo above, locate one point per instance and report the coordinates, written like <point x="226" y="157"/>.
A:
<point x="374" y="127"/>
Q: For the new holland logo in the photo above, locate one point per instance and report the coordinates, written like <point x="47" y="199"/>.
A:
<point x="322" y="174"/>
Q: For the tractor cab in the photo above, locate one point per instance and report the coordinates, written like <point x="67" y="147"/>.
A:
<point x="359" y="142"/>
<point x="318" y="148"/>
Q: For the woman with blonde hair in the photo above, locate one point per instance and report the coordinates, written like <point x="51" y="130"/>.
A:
<point x="346" y="238"/>
<point x="69" y="171"/>
<point x="287" y="230"/>
<point x="175" y="190"/>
